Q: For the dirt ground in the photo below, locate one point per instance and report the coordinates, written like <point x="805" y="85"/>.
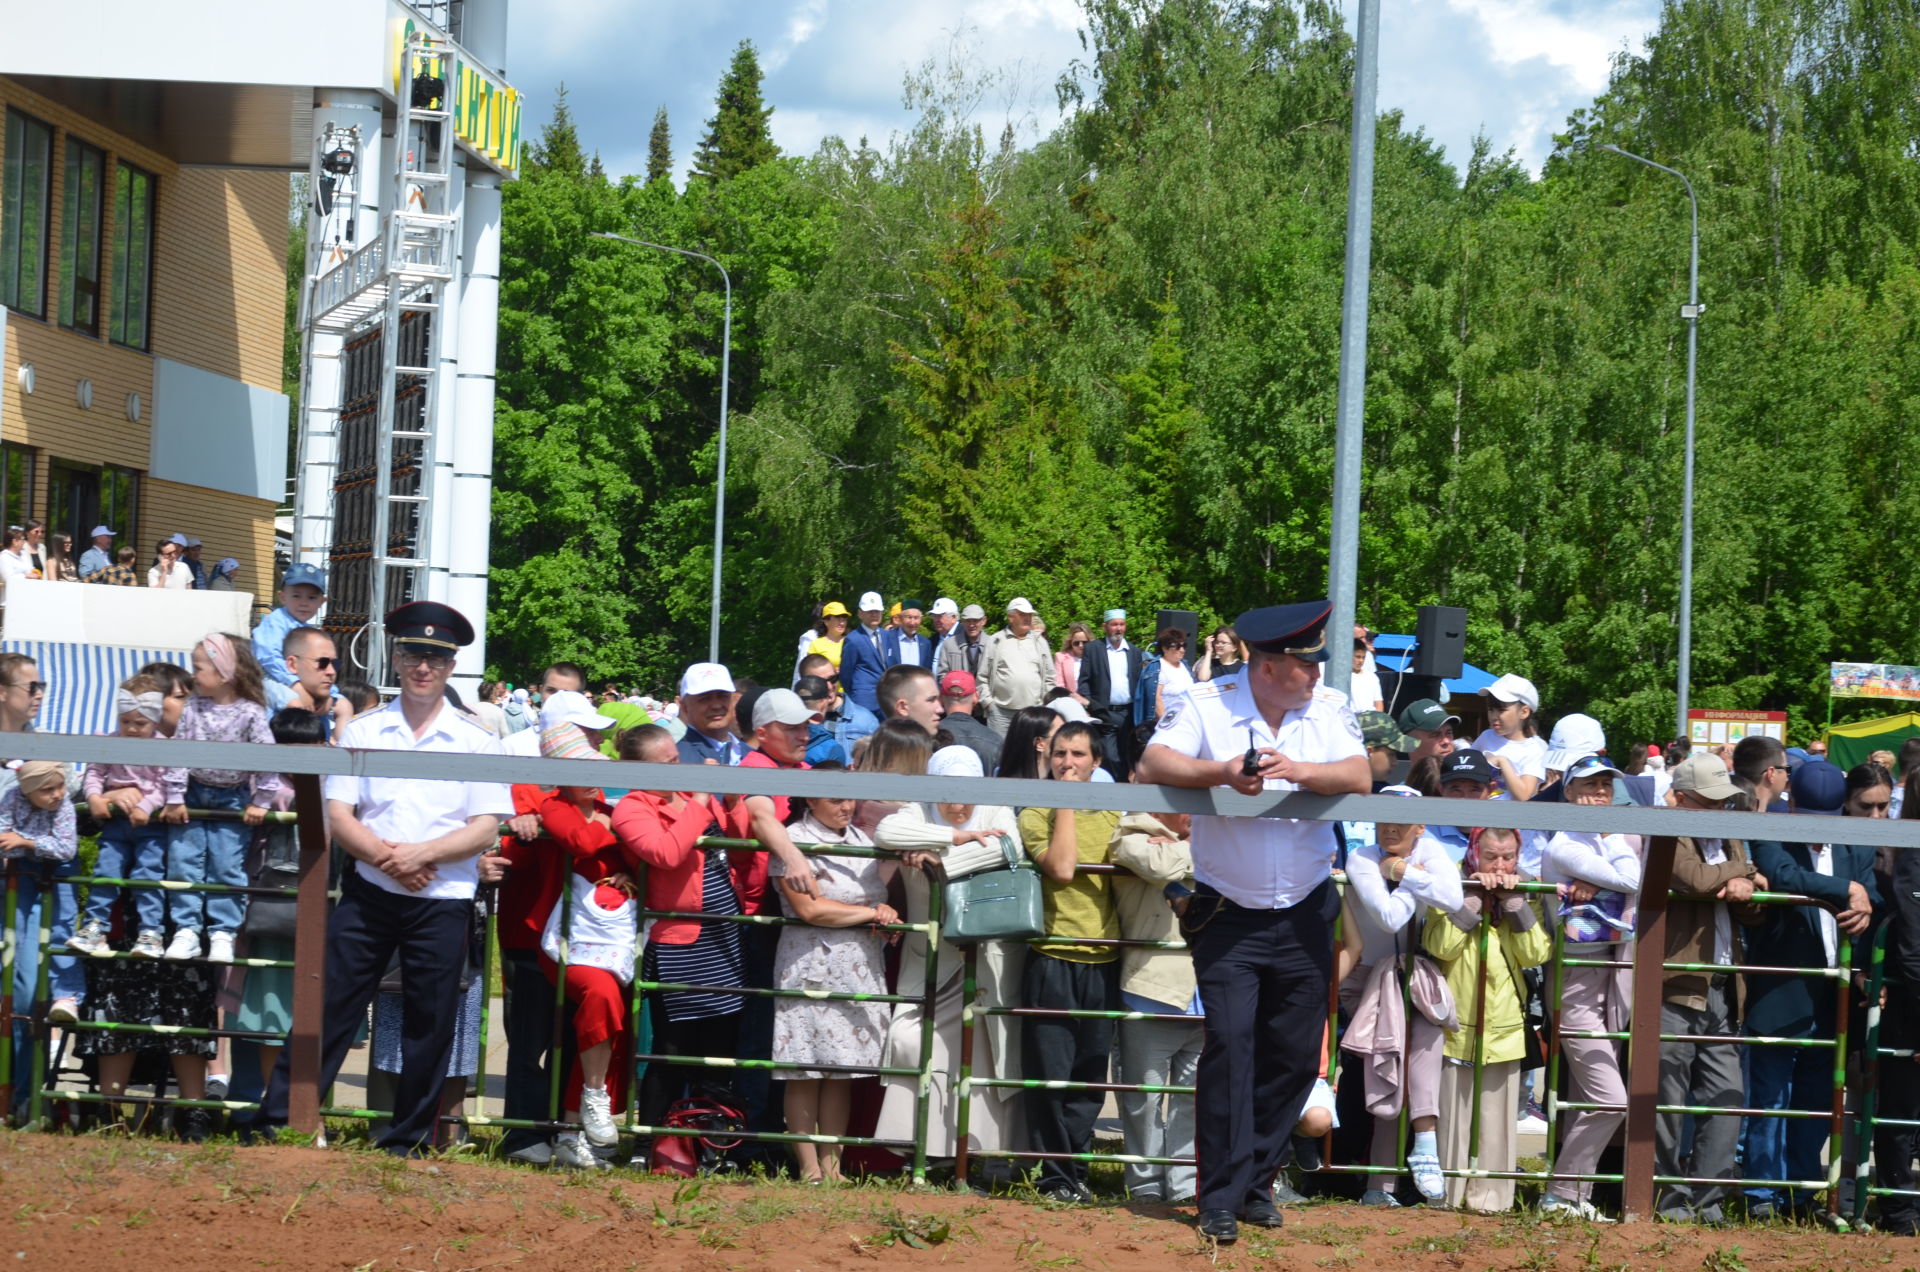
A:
<point x="106" y="1202"/>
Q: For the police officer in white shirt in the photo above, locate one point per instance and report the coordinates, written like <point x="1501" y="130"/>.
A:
<point x="415" y="847"/>
<point x="1260" y="922"/>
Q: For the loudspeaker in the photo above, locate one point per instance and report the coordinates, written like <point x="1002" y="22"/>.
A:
<point x="1187" y="621"/>
<point x="1440" y="638"/>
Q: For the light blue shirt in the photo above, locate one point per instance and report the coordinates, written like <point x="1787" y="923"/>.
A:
<point x="92" y="561"/>
<point x="267" y="639"/>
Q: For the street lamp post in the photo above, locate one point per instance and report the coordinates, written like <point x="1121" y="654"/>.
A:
<point x="720" y="489"/>
<point x="1691" y="312"/>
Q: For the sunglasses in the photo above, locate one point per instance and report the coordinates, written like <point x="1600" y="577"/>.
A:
<point x="324" y="663"/>
<point x="1077" y="644"/>
<point x="33" y="686"/>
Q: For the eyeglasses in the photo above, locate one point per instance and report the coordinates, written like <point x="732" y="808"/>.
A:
<point x="412" y="658"/>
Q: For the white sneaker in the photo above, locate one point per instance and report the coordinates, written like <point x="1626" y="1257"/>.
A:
<point x="89" y="939"/>
<point x="147" y="945"/>
<point x="570" y="1152"/>
<point x="185" y="945"/>
<point x="65" y="1011"/>
<point x="1425" y="1169"/>
<point x="220" y="947"/>
<point x="1552" y="1207"/>
<point x="1531" y="1125"/>
<point x="596" y="1114"/>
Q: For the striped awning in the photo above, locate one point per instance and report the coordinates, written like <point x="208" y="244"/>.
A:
<point x="81" y="680"/>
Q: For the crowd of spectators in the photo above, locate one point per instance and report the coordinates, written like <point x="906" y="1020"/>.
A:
<point x="882" y="691"/>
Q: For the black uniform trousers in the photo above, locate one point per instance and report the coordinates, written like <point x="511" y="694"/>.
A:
<point x="365" y="930"/>
<point x="1264" y="977"/>
<point x="527" y="1002"/>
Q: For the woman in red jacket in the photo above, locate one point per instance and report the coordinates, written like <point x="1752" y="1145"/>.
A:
<point x="660" y="830"/>
<point x="599" y="955"/>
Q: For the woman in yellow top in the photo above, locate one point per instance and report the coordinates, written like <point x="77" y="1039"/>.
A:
<point x="1518" y="939"/>
<point x="834" y="616"/>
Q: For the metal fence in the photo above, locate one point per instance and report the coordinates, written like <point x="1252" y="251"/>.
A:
<point x="1640" y="1066"/>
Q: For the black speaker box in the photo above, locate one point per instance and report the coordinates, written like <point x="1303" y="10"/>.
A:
<point x="1440" y="637"/>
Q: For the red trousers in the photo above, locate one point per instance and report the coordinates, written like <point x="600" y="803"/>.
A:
<point x="600" y="1014"/>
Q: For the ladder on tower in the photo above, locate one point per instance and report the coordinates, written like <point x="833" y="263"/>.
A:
<point x="387" y="302"/>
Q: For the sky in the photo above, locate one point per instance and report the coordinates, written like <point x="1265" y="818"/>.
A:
<point x="1514" y="69"/>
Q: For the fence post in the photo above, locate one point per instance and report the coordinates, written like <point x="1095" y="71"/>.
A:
<point x="309" y="957"/>
<point x="1643" y="1046"/>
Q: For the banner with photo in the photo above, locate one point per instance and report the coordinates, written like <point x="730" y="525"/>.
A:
<point x="1874" y="680"/>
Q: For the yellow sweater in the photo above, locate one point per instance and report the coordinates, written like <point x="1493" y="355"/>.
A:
<point x="1459" y="955"/>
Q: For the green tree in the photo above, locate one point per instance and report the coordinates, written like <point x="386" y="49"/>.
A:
<point x="659" y="148"/>
<point x="737" y="139"/>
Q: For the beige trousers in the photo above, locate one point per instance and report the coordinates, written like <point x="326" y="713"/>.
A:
<point x="1499" y="1096"/>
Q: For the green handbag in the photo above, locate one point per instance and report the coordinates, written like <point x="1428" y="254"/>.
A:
<point x="996" y="904"/>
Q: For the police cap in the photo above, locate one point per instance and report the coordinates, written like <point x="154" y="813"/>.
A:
<point x="1299" y="629"/>
<point x="429" y="626"/>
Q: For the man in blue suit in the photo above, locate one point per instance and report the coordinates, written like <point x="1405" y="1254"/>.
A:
<point x="863" y="655"/>
<point x="904" y="645"/>
<point x="1840" y="877"/>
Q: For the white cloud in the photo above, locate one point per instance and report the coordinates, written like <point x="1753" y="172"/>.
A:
<point x="1513" y="68"/>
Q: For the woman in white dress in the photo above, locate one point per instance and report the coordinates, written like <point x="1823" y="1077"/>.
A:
<point x="828" y="1042"/>
<point x="962" y="839"/>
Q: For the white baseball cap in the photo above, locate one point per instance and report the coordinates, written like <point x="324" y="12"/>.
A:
<point x="946" y="605"/>
<point x="973" y="611"/>
<point x="1511" y="688"/>
<point x="100" y="530"/>
<point x="1574" y="736"/>
<point x="705" y="677"/>
<point x="870" y="601"/>
<point x="1020" y="605"/>
<point x="782" y="706"/>
<point x="569" y="706"/>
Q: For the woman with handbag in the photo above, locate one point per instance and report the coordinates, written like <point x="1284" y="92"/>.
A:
<point x="840" y="950"/>
<point x="1390" y="883"/>
<point x="955" y="841"/>
<point x="1493" y="1028"/>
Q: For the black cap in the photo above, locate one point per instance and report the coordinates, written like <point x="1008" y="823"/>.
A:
<point x="1299" y="629"/>
<point x="1468" y="765"/>
<point x="429" y="625"/>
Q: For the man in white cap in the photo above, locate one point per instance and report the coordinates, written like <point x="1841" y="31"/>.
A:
<point x="863" y="656"/>
<point x="707" y="699"/>
<point x="1512" y="739"/>
<point x="942" y="618"/>
<point x="964" y="645"/>
<point x="1108" y="677"/>
<point x="1017" y="668"/>
<point x="99" y="556"/>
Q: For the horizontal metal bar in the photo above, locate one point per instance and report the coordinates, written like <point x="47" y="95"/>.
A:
<point x="898" y="788"/>
<point x="816" y="995"/>
<point x="734" y="1062"/>
<point x="1043" y="1084"/>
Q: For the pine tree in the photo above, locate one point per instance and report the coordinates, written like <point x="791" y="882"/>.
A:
<point x="737" y="137"/>
<point x="558" y="150"/>
<point x="659" y="148"/>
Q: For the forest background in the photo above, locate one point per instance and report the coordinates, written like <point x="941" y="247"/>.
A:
<point x="1101" y="370"/>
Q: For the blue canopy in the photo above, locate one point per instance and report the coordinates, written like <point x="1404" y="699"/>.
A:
<point x="1392" y="653"/>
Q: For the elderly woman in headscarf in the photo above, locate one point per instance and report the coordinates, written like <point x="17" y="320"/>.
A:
<point x="221" y="580"/>
<point x="953" y="841"/>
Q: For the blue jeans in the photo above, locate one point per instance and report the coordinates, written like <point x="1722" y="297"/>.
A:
<point x="209" y="852"/>
<point x="1786" y="1148"/>
<point x="128" y="851"/>
<point x="65" y="978"/>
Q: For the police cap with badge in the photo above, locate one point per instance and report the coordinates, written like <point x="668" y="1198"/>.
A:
<point x="429" y="627"/>
<point x="1299" y="629"/>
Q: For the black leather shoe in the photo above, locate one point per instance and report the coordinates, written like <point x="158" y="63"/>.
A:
<point x="1262" y="1214"/>
<point x="1220" y="1225"/>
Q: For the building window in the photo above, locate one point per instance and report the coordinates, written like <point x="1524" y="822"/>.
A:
<point x="132" y="254"/>
<point x="85" y="188"/>
<point x="24" y="180"/>
<point x="16" y="484"/>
